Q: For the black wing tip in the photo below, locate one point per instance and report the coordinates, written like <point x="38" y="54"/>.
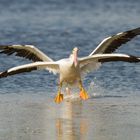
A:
<point x="6" y="73"/>
<point x="9" y="50"/>
<point x="136" y="30"/>
<point x="3" y="74"/>
<point x="125" y="37"/>
<point x="130" y="59"/>
<point x="134" y="59"/>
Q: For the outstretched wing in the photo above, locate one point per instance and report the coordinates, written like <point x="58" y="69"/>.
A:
<point x="27" y="51"/>
<point x="51" y="66"/>
<point x="89" y="63"/>
<point x="110" y="44"/>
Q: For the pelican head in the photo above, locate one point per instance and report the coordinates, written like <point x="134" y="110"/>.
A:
<point x="75" y="50"/>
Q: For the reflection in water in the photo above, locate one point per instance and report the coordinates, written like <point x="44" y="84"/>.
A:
<point x="102" y="119"/>
<point x="70" y="125"/>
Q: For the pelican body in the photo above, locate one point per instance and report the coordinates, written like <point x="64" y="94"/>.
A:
<point x="70" y="73"/>
<point x="69" y="69"/>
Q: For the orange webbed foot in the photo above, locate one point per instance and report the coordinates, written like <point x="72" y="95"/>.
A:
<point x="59" y="98"/>
<point x="83" y="94"/>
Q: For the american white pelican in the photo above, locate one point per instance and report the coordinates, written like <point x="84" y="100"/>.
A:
<point x="72" y="68"/>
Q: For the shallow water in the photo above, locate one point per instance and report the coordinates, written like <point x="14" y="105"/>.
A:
<point x="37" y="117"/>
<point x="26" y="100"/>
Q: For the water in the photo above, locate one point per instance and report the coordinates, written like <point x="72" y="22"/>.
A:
<point x="26" y="100"/>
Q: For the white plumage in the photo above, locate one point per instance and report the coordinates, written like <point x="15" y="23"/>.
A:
<point x="71" y="69"/>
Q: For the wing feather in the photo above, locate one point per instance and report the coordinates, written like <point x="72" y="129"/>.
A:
<point x="27" y="51"/>
<point x="51" y="66"/>
<point x="110" y="44"/>
<point x="89" y="63"/>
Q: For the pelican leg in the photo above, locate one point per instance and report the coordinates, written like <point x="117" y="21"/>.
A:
<point x="83" y="93"/>
<point x="68" y="92"/>
<point x="59" y="97"/>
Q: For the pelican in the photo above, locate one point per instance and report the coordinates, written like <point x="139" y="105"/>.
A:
<point x="71" y="69"/>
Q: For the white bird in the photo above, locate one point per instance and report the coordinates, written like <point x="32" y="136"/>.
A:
<point x="72" y="68"/>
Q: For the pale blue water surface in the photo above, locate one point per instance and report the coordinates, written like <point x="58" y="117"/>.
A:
<point x="27" y="109"/>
